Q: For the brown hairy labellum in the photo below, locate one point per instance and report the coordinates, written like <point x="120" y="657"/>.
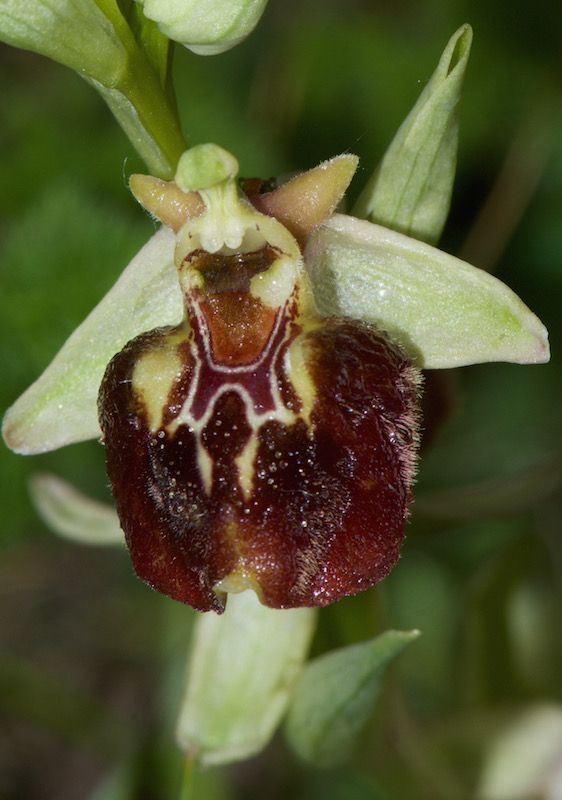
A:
<point x="258" y="445"/>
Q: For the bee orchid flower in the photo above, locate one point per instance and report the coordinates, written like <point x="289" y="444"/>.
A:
<point x="260" y="409"/>
<point x="254" y="375"/>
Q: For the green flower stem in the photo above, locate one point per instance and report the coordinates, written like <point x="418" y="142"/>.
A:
<point x="187" y="779"/>
<point x="150" y="120"/>
<point x="142" y="99"/>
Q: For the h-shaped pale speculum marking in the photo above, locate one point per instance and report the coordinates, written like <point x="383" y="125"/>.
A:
<point x="228" y="255"/>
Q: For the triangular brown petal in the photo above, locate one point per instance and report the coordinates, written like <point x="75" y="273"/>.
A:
<point x="165" y="200"/>
<point x="306" y="200"/>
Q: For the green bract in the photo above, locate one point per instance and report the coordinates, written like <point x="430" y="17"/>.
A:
<point x="334" y="697"/>
<point x="243" y="668"/>
<point x="206" y="26"/>
<point x="411" y="189"/>
<point x="74" y="32"/>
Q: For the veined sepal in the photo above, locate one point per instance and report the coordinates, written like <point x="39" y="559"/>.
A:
<point x="444" y="312"/>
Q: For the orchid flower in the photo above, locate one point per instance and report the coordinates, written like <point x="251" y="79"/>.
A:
<point x="255" y="377"/>
<point x="260" y="410"/>
<point x="261" y="414"/>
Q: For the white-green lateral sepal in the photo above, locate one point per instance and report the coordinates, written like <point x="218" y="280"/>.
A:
<point x="73" y="515"/>
<point x="61" y="406"/>
<point x="335" y="694"/>
<point x="411" y="189"/>
<point x="243" y="667"/>
<point x="207" y="27"/>
<point x="444" y="312"/>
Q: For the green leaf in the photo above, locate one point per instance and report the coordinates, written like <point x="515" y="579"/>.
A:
<point x="73" y="32"/>
<point x="444" y="312"/>
<point x="335" y="694"/>
<point x="71" y="514"/>
<point x="411" y="189"/>
<point x="95" y="40"/>
<point x="243" y="667"/>
<point x="61" y="406"/>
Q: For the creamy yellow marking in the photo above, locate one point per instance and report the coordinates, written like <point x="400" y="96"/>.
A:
<point x="238" y="581"/>
<point x="275" y="284"/>
<point x="153" y="377"/>
<point x="245" y="464"/>
<point x="205" y="465"/>
<point x="240" y="578"/>
<point x="297" y="370"/>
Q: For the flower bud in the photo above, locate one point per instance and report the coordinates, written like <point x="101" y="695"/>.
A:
<point x="206" y="27"/>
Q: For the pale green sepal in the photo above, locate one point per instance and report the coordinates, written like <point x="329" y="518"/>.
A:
<point x="444" y="312"/>
<point x="411" y="189"/>
<point x="524" y="760"/>
<point x="335" y="694"/>
<point x="243" y="667"/>
<point x="73" y="515"/>
<point x="206" y="27"/>
<point x="61" y="406"/>
<point x="74" y="32"/>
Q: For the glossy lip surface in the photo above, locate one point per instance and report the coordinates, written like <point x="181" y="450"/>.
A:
<point x="258" y="445"/>
<point x="321" y="514"/>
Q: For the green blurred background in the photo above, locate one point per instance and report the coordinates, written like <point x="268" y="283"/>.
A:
<point x="92" y="661"/>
